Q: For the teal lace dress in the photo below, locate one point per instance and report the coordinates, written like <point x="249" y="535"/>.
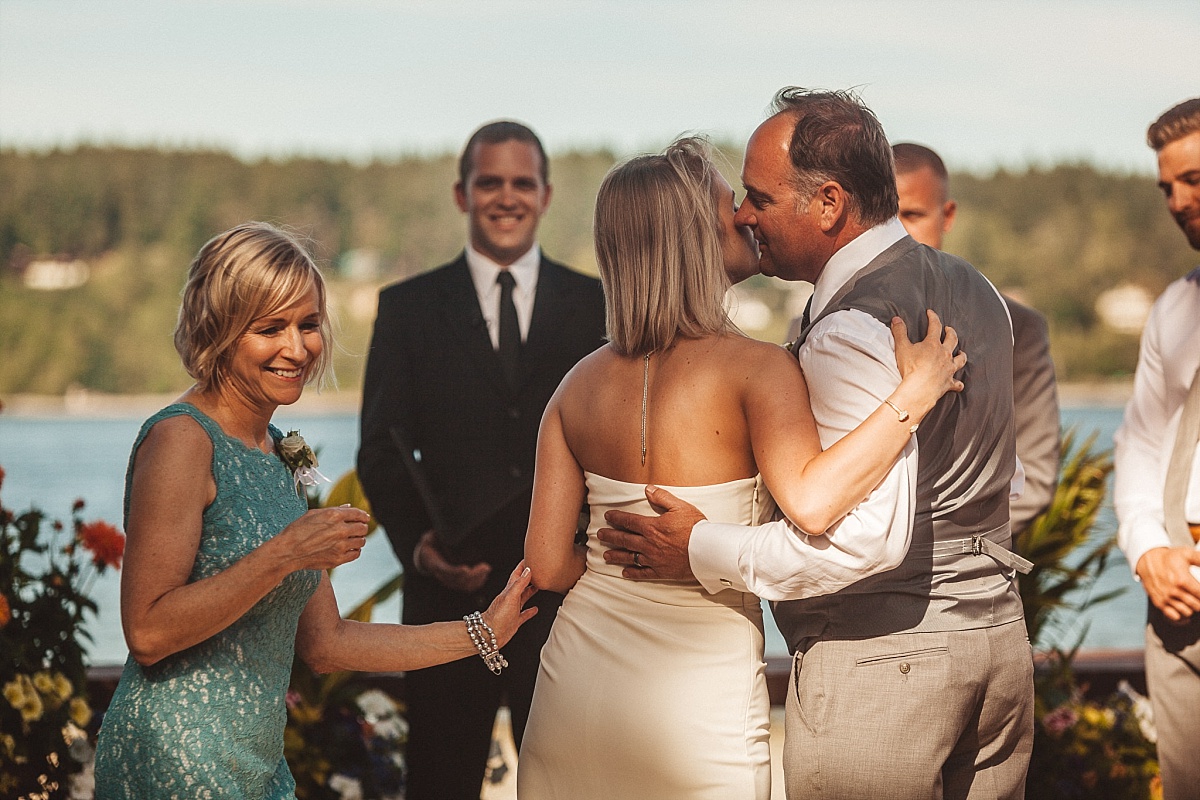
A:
<point x="208" y="722"/>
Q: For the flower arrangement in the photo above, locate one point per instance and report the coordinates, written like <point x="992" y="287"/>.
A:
<point x="347" y="744"/>
<point x="1082" y="748"/>
<point x="345" y="741"/>
<point x="44" y="596"/>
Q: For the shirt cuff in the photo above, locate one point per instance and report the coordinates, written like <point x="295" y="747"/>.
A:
<point x="1141" y="540"/>
<point x="714" y="552"/>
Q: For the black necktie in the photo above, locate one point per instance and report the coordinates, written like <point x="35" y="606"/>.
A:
<point x="804" y="318"/>
<point x="510" y="329"/>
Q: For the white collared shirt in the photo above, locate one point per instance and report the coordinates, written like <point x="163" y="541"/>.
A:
<point x="484" y="272"/>
<point x="1168" y="358"/>
<point x="849" y="362"/>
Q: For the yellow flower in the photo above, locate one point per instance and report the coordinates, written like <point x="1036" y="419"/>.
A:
<point x="33" y="709"/>
<point x="21" y="695"/>
<point x="8" y="745"/>
<point x="62" y="686"/>
<point x="17" y="690"/>
<point x="43" y="682"/>
<point x="1097" y="717"/>
<point x="13" y="693"/>
<point x="81" y="712"/>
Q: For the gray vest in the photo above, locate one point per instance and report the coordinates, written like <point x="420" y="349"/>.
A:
<point x="957" y="574"/>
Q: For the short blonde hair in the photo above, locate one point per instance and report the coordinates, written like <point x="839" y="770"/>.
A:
<point x="659" y="250"/>
<point x="239" y="276"/>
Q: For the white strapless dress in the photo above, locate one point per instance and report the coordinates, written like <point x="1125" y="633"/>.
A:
<point x="652" y="690"/>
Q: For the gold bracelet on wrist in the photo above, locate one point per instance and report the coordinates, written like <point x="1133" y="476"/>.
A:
<point x="902" y="415"/>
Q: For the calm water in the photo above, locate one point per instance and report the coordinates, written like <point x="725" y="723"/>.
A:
<point x="52" y="461"/>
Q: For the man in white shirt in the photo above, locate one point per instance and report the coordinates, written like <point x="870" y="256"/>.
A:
<point x="462" y="363"/>
<point x="912" y="673"/>
<point x="1157" y="484"/>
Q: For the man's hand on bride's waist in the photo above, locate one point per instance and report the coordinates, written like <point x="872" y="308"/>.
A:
<point x="652" y="548"/>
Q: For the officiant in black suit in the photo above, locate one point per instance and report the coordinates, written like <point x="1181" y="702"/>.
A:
<point x="463" y="360"/>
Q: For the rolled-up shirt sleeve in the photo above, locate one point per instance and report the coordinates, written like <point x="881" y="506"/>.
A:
<point x="850" y="365"/>
<point x="1142" y="447"/>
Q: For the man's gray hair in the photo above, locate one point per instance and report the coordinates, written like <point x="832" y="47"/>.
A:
<point x="837" y="138"/>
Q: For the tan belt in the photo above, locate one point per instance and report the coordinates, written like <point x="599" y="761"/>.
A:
<point x="1195" y="529"/>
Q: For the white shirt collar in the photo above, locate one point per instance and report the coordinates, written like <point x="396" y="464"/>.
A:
<point x="853" y="256"/>
<point x="484" y="271"/>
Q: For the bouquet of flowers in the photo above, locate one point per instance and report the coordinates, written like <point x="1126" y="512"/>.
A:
<point x="345" y="745"/>
<point x="44" y="588"/>
<point x="1091" y="748"/>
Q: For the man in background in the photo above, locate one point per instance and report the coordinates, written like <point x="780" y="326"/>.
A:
<point x="928" y="212"/>
<point x="1157" y="486"/>
<point x="463" y="360"/>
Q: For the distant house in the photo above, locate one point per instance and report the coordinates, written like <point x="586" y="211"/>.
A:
<point x="1125" y="307"/>
<point x="56" y="274"/>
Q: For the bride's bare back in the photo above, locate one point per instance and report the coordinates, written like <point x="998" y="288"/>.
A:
<point x="697" y="394"/>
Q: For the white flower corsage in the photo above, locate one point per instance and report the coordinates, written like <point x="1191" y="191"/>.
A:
<point x="300" y="459"/>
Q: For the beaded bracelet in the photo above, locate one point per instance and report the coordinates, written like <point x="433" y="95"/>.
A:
<point x="489" y="651"/>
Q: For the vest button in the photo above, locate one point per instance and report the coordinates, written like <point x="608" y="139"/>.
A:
<point x="514" y="471"/>
<point x="905" y="668"/>
<point x="514" y="413"/>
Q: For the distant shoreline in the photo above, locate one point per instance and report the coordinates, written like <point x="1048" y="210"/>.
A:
<point x="83" y="403"/>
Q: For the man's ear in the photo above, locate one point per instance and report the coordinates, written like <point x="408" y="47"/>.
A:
<point x="546" y="197"/>
<point x="832" y="205"/>
<point x="460" y="196"/>
<point x="948" y="211"/>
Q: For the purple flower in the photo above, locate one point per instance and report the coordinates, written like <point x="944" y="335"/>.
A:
<point x="1059" y="720"/>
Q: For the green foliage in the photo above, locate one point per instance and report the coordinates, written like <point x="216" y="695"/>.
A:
<point x="44" y="597"/>
<point x="1082" y="747"/>
<point x="1055" y="237"/>
<point x="1066" y="560"/>
<point x="338" y="730"/>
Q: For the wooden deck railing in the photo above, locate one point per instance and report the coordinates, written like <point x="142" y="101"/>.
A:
<point x="1098" y="670"/>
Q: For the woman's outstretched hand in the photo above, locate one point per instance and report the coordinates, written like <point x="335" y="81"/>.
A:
<point x="507" y="612"/>
<point x="929" y="366"/>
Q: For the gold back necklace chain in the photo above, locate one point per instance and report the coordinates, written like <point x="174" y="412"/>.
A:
<point x="645" y="399"/>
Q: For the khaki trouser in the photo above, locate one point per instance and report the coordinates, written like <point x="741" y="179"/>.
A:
<point x="1173" y="680"/>
<point x="914" y="715"/>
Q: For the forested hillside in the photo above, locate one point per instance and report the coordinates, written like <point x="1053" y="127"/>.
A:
<point x="1058" y="237"/>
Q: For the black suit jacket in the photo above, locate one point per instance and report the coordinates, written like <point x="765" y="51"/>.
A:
<point x="433" y="377"/>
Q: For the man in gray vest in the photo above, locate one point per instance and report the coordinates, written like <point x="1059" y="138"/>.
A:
<point x="928" y="214"/>
<point x="1157" y="486"/>
<point x="912" y="672"/>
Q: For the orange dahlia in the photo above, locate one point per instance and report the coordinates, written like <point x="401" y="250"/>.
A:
<point x="105" y="541"/>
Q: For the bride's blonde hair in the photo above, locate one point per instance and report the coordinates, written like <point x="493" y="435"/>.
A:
<point x="659" y="250"/>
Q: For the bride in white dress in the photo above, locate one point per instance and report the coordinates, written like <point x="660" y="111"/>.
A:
<point x="656" y="689"/>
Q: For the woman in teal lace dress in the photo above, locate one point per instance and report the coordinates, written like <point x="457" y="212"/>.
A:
<point x="225" y="568"/>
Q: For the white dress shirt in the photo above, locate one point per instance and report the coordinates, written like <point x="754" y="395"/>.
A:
<point x="1167" y="361"/>
<point x="484" y="272"/>
<point x="849" y="362"/>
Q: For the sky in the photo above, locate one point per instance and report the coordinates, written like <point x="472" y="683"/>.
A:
<point x="986" y="83"/>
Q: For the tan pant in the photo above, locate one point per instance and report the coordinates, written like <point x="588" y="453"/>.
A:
<point x="915" y="715"/>
<point x="1173" y="680"/>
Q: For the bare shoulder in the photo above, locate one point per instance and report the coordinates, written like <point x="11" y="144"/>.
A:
<point x="588" y="373"/>
<point x="763" y="359"/>
<point x="176" y="444"/>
